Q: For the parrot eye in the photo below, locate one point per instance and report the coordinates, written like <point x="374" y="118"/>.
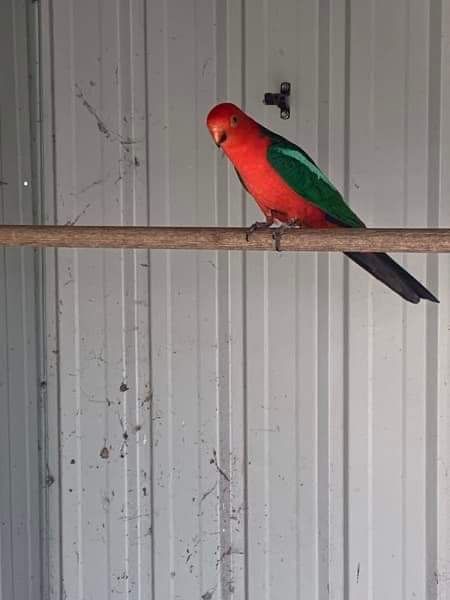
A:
<point x="234" y="121"/>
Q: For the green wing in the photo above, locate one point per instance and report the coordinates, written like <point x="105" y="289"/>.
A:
<point x="301" y="173"/>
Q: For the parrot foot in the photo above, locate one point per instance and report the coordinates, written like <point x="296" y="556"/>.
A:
<point x="257" y="225"/>
<point x="278" y="233"/>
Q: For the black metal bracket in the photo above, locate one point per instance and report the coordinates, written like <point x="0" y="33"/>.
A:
<point x="281" y="100"/>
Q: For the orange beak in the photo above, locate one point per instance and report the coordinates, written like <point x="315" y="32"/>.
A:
<point x="218" y="135"/>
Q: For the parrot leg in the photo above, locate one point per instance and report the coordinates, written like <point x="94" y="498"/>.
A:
<point x="258" y="225"/>
<point x="278" y="232"/>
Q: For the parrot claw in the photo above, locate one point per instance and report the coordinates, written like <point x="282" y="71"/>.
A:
<point x="257" y="225"/>
<point x="278" y="233"/>
<point x="276" y="237"/>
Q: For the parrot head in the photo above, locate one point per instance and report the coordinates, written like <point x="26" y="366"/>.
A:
<point x="227" y="124"/>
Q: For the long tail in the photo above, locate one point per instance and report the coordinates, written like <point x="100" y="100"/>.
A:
<point x="386" y="270"/>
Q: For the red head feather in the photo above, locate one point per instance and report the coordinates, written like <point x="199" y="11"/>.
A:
<point x="229" y="125"/>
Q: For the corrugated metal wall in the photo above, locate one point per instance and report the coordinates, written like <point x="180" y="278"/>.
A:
<point x="20" y="549"/>
<point x="232" y="426"/>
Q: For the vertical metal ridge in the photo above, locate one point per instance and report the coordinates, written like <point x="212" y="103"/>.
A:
<point x="244" y="54"/>
<point x="166" y="97"/>
<point x="146" y="11"/>
<point x="78" y="429"/>
<point x="124" y="106"/>
<point x="443" y="490"/>
<point x="10" y="508"/>
<point x="8" y="570"/>
<point x="434" y="123"/>
<point x="298" y="388"/>
<point x="123" y="418"/>
<point x="9" y="575"/>
<point x="198" y="383"/>
<point x="323" y="81"/>
<point x="404" y="501"/>
<point x="107" y="429"/>
<point x="138" y="336"/>
<point x="35" y="56"/>
<point x="20" y="560"/>
<point x="346" y="306"/>
<point x="406" y="133"/>
<point x="2" y="192"/>
<point x="223" y="331"/>
<point x="372" y="46"/>
<point x="170" y="423"/>
<point x="370" y="343"/>
<point x="434" y="110"/>
<point x="266" y="46"/>
<point x="52" y="559"/>
<point x="245" y="430"/>
<point x="323" y="320"/>
<point x="403" y="451"/>
<point x="403" y="400"/>
<point x="76" y="332"/>
<point x="316" y="418"/>
<point x="298" y="376"/>
<point x="370" y="449"/>
<point x="199" y="306"/>
<point x="274" y="558"/>
<point x="266" y="509"/>
<point x="244" y="279"/>
<point x="431" y="451"/>
<point x="58" y="435"/>
<point x="406" y="86"/>
<point x="18" y="143"/>
<point x="224" y="407"/>
<point x="168" y="266"/>
<point x="267" y="405"/>
<point x="71" y="51"/>
<point x="29" y="367"/>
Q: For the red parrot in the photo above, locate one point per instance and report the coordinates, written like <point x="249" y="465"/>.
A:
<point x="290" y="188"/>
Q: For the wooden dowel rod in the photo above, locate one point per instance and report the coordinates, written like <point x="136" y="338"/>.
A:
<point x="226" y="238"/>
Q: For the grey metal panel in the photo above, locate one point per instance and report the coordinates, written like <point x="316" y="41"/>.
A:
<point x="296" y="474"/>
<point x="391" y="439"/>
<point x="20" y="557"/>
<point x="286" y="416"/>
<point x="441" y="549"/>
<point x="99" y="383"/>
<point x="196" y="360"/>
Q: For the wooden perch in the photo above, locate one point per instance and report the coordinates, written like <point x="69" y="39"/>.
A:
<point x="226" y="238"/>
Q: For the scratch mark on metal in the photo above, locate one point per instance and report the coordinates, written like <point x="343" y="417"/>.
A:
<point x="78" y="217"/>
<point x="133" y="517"/>
<point x="227" y="552"/>
<point x="221" y="471"/>
<point x="108" y="133"/>
<point x="87" y="188"/>
<point x="207" y="493"/>
<point x="205" y="64"/>
<point x="100" y="123"/>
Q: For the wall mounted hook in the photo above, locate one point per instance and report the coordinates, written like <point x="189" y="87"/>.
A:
<point x="280" y="99"/>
